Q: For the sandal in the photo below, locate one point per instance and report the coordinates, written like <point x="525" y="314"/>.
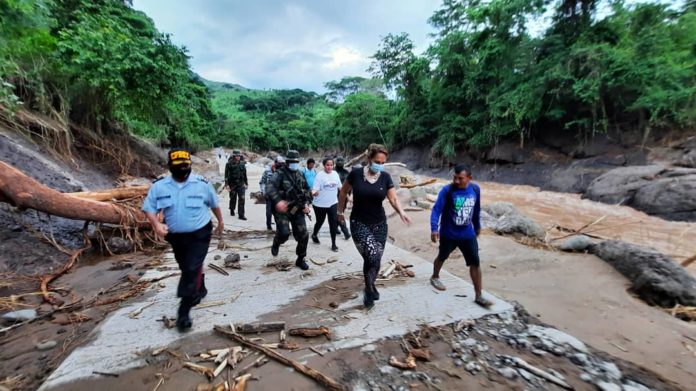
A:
<point x="437" y="284"/>
<point x="483" y="302"/>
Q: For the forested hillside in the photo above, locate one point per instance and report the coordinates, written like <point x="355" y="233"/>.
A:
<point x="589" y="67"/>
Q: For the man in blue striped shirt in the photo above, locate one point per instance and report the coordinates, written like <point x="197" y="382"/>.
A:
<point x="456" y="222"/>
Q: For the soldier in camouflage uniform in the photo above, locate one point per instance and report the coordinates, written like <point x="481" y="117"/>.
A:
<point x="290" y="196"/>
<point x="236" y="181"/>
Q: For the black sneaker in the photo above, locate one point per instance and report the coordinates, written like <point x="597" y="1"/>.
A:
<point x="334" y="248"/>
<point x="269" y="228"/>
<point x="301" y="263"/>
<point x="231" y="213"/>
<point x="183" y="319"/>
<point x="315" y="239"/>
<point x="242" y="218"/>
<point x="368" y="301"/>
<point x="274" y="249"/>
<point x="347" y="236"/>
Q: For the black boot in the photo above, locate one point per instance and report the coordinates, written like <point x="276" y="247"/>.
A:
<point x="202" y="293"/>
<point x="183" y="319"/>
<point x="315" y="239"/>
<point x="275" y="248"/>
<point x="334" y="248"/>
<point x="375" y="293"/>
<point x="231" y="212"/>
<point x="368" y="300"/>
<point x="301" y="263"/>
<point x="242" y="217"/>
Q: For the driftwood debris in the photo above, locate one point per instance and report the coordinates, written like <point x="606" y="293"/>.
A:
<point x="249" y="328"/>
<point x="319" y="377"/>
<point x="311" y="332"/>
<point x="410" y="362"/>
<point x="208" y="372"/>
<point x="543" y="374"/>
<point x="21" y="191"/>
<point x="428" y="182"/>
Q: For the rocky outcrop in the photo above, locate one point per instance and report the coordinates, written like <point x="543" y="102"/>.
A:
<point x="657" y="190"/>
<point x="504" y="219"/>
<point x="655" y="278"/>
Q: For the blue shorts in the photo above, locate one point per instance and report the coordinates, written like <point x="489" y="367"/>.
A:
<point x="468" y="247"/>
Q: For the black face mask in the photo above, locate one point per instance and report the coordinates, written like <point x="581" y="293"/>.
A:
<point x="180" y="173"/>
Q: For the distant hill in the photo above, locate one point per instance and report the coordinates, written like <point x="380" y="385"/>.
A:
<point x="270" y="119"/>
<point x="215" y="86"/>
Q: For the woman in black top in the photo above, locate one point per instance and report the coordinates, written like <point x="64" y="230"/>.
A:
<point x="368" y="222"/>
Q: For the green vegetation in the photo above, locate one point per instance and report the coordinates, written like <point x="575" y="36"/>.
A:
<point x="104" y="66"/>
<point x="486" y="78"/>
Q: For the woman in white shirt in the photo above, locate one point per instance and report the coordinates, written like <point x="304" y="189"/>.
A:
<point x="325" y="192"/>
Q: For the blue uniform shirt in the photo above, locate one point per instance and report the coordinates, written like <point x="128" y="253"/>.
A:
<point x="185" y="205"/>
<point x="309" y="176"/>
<point x="459" y="218"/>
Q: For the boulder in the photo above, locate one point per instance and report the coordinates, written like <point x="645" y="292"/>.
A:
<point x="509" y="220"/>
<point x="687" y="150"/>
<point x="404" y="196"/>
<point x="407" y="179"/>
<point x="434" y="188"/>
<point x="575" y="243"/>
<point x="118" y="245"/>
<point x="19" y="315"/>
<point x="424" y="204"/>
<point x="506" y="152"/>
<point x="418" y="193"/>
<point x="658" y="190"/>
<point x="654" y="277"/>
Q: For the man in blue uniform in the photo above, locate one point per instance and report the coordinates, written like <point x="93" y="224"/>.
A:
<point x="186" y="201"/>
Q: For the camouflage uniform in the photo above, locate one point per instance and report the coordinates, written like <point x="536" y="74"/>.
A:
<point x="290" y="186"/>
<point x="236" y="179"/>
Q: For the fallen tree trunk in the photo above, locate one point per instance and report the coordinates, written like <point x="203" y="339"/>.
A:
<point x="22" y="191"/>
<point x="120" y="193"/>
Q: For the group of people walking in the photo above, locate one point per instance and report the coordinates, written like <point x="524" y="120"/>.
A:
<point x="290" y="191"/>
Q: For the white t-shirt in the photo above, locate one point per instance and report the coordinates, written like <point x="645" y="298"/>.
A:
<point x="327" y="185"/>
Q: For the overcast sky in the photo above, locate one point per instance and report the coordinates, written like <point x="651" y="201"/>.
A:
<point x="268" y="44"/>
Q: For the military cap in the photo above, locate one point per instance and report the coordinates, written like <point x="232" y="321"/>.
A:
<point x="178" y="156"/>
<point x="292" y="156"/>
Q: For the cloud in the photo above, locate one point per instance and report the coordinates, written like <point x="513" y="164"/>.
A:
<point x="286" y="44"/>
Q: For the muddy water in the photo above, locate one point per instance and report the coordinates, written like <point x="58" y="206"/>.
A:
<point x="550" y="209"/>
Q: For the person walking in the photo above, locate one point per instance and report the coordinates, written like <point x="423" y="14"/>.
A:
<point x="309" y="172"/>
<point x="368" y="221"/>
<point x="455" y="221"/>
<point x="325" y="192"/>
<point x="186" y="200"/>
<point x="342" y="174"/>
<point x="290" y="197"/>
<point x="236" y="182"/>
<point x="265" y="178"/>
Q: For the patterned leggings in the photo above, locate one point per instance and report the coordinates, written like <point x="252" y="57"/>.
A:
<point x="370" y="239"/>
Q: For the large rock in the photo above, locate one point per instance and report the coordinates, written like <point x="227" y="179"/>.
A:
<point x="118" y="245"/>
<point x="687" y="152"/>
<point x="506" y="152"/>
<point x="509" y="220"/>
<point x="658" y="190"/>
<point x="656" y="278"/>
